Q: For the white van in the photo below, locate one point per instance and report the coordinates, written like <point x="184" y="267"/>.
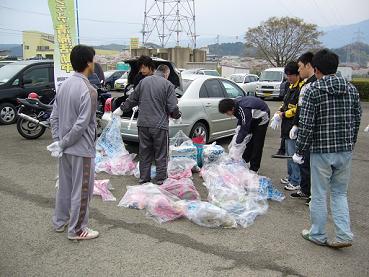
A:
<point x="270" y="82"/>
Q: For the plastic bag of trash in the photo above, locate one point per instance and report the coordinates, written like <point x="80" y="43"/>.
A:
<point x="118" y="165"/>
<point x="212" y="153"/>
<point x="207" y="215"/>
<point x="180" y="168"/>
<point x="246" y="211"/>
<point x="137" y="171"/>
<point x="110" y="142"/>
<point x="183" y="188"/>
<point x="136" y="197"/>
<point x="163" y="208"/>
<point x="182" y="146"/>
<point x="236" y="150"/>
<point x="102" y="188"/>
<point x="268" y="191"/>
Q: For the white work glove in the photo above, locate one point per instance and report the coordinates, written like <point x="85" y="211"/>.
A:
<point x="293" y="132"/>
<point x="366" y="129"/>
<point x="55" y="149"/>
<point x="177" y="121"/>
<point x="298" y="159"/>
<point x="276" y="121"/>
<point x="135" y="109"/>
<point x="118" y="112"/>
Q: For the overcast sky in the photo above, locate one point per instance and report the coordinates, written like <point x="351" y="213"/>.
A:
<point x="123" y="18"/>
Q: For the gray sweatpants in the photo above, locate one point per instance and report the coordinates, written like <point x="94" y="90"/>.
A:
<point x="76" y="183"/>
<point x="154" y="145"/>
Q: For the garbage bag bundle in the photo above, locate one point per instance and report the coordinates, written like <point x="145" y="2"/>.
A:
<point x="268" y="191"/>
<point x="136" y="172"/>
<point x="181" y="146"/>
<point x="212" y="153"/>
<point x="207" y="215"/>
<point x="236" y="150"/>
<point x="183" y="188"/>
<point x="111" y="154"/>
<point x="102" y="188"/>
<point x="163" y="208"/>
<point x="180" y="168"/>
<point x="246" y="211"/>
<point x="136" y="197"/>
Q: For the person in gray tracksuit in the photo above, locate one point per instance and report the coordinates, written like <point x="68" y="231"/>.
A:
<point x="157" y="101"/>
<point x="73" y="122"/>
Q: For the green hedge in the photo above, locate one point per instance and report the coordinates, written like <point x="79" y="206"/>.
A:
<point x="363" y="88"/>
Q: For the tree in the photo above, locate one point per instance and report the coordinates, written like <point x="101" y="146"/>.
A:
<point x="280" y="40"/>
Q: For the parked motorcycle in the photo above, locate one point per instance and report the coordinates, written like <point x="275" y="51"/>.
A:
<point x="33" y="116"/>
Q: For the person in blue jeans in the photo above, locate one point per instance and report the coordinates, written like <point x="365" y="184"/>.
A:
<point x="329" y="123"/>
<point x="287" y="113"/>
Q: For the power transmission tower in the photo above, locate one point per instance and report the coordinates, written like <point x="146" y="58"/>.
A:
<point x="359" y="36"/>
<point x="168" y="18"/>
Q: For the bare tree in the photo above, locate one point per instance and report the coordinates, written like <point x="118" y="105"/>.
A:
<point x="280" y="40"/>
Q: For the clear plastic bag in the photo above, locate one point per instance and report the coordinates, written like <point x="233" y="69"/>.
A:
<point x="102" y="188"/>
<point x="182" y="146"/>
<point x="212" y="153"/>
<point x="136" y="197"/>
<point x="236" y="150"/>
<point x="207" y="215"/>
<point x="163" y="208"/>
<point x="268" y="191"/>
<point x="180" y="168"/>
<point x="183" y="188"/>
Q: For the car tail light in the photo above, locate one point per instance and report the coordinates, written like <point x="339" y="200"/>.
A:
<point x="107" y="107"/>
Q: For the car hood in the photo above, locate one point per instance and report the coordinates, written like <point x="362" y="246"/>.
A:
<point x="174" y="77"/>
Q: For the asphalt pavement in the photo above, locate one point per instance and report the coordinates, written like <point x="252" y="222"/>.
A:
<point x="132" y="245"/>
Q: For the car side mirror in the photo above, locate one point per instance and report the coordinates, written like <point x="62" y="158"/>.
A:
<point x="27" y="81"/>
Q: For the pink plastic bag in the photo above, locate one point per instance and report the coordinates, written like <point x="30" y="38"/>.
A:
<point x="163" y="208"/>
<point x="136" y="197"/>
<point x="180" y="168"/>
<point x="183" y="188"/>
<point x="102" y="188"/>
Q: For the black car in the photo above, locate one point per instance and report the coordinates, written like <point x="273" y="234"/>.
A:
<point x="111" y="77"/>
<point x="18" y="79"/>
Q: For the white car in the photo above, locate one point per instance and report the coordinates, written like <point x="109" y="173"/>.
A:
<point x="198" y="99"/>
<point x="121" y="83"/>
<point x="270" y="82"/>
<point x="246" y="81"/>
<point x="200" y="71"/>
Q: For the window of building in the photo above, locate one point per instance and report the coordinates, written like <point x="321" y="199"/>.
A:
<point x="26" y="47"/>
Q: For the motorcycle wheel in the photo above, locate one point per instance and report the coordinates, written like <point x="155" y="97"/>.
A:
<point x="29" y="130"/>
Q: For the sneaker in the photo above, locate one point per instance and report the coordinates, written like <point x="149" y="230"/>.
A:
<point x="291" y="187"/>
<point x="306" y="235"/>
<point x="307" y="203"/>
<point x="284" y="181"/>
<point x="85" y="234"/>
<point x="339" y="244"/>
<point x="62" y="228"/>
<point x="299" y="195"/>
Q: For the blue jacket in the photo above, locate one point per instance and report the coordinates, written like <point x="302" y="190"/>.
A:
<point x="250" y="112"/>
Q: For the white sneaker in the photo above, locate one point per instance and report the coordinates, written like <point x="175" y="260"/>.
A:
<point x="284" y="181"/>
<point x="84" y="235"/>
<point x="291" y="187"/>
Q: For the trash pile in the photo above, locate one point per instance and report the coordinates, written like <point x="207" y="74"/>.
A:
<point x="111" y="154"/>
<point x="236" y="195"/>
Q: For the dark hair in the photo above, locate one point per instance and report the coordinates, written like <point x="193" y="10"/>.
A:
<point x="325" y="61"/>
<point x="306" y="58"/>
<point x="291" y="68"/>
<point x="226" y="105"/>
<point x="163" y="68"/>
<point x="80" y="56"/>
<point x="146" y="61"/>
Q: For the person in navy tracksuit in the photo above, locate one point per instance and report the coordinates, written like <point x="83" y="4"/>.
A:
<point x="253" y="116"/>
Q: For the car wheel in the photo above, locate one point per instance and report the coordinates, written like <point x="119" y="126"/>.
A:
<point x="200" y="129"/>
<point x="8" y="113"/>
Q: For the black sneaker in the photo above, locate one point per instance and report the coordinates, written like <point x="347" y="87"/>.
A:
<point x="307" y="203"/>
<point x="299" y="195"/>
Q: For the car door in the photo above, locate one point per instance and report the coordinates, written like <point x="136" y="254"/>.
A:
<point x="37" y="79"/>
<point x="210" y="94"/>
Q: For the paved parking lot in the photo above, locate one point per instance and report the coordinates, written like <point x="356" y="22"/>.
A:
<point x="132" y="245"/>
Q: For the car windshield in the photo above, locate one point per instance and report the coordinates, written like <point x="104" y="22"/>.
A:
<point x="124" y="76"/>
<point x="271" y="76"/>
<point x="8" y="71"/>
<point x="211" y="72"/>
<point x="186" y="83"/>
<point x="237" y="78"/>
